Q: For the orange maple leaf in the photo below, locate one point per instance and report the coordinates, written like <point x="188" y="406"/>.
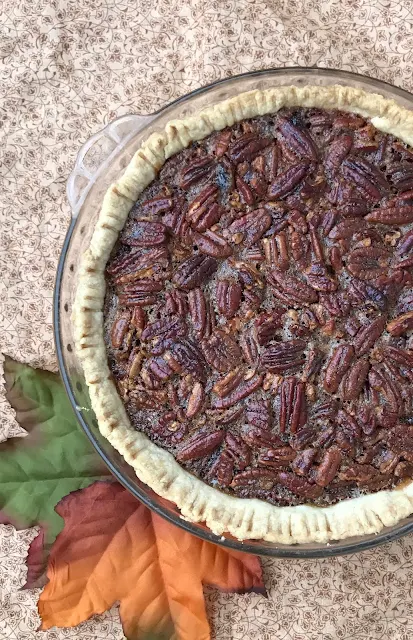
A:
<point x="113" y="548"/>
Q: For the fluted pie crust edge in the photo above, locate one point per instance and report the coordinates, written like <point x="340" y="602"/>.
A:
<point x="244" y="518"/>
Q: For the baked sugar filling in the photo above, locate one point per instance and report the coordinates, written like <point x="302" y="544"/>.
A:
<point x="259" y="308"/>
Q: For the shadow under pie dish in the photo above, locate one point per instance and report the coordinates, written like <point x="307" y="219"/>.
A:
<point x="253" y="362"/>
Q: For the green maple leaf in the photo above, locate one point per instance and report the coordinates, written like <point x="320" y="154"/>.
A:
<point x="55" y="457"/>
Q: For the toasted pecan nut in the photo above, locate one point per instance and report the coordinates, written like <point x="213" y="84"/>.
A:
<point x="401" y="324"/>
<point x="338" y="364"/>
<point x="228" y="297"/>
<point x="200" y="445"/>
<point x="194" y="272"/>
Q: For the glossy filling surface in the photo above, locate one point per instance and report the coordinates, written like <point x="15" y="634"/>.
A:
<point x="259" y="308"/>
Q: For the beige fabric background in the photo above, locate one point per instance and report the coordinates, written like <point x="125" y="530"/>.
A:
<point x="67" y="68"/>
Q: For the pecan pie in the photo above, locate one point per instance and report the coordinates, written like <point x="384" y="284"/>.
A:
<point x="254" y="359"/>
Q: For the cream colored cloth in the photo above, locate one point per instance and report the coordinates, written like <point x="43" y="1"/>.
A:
<point x="69" y="67"/>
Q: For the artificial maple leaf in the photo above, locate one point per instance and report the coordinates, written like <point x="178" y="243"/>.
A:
<point x="36" y="562"/>
<point x="112" y="548"/>
<point x="55" y="457"/>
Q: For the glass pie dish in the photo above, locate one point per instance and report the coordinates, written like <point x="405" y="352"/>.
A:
<point x="99" y="163"/>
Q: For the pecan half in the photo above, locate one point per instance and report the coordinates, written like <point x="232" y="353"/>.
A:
<point x="348" y="425"/>
<point x="200" y="446"/>
<point x="228" y="297"/>
<point x="258" y="413"/>
<point x="120" y="328"/>
<point x="284" y="356"/>
<point x="154" y="206"/>
<point x="401" y="324"/>
<point x="220" y="351"/>
<point x="260" y="437"/>
<point x="245" y="389"/>
<point x="223" y="469"/>
<point x="380" y="380"/>
<point x="244" y="191"/>
<point x="369" y="262"/>
<point x="399" y="357"/>
<point x="303" y="461"/>
<point x="252" y="226"/>
<point x="299" y="486"/>
<point x="163" y="329"/>
<point x="142" y="292"/>
<point x="365" y="292"/>
<point x="312" y="365"/>
<point x="204" y="211"/>
<point x="175" y="303"/>
<point x="238" y="450"/>
<point x="158" y="367"/>
<point x="293" y="411"/>
<point x="328" y="467"/>
<point x="362" y="474"/>
<point x="354" y="379"/>
<point x="300" y="247"/>
<point x="149" y="263"/>
<point x="177" y="224"/>
<point x="249" y="347"/>
<point x="144" y="233"/>
<point x="365" y="177"/>
<point x="276" y="251"/>
<point x="367" y="336"/>
<point x="222" y="142"/>
<point x="402" y="177"/>
<point x="298" y="140"/>
<point x="138" y="320"/>
<point x="194" y="272"/>
<point x="326" y="410"/>
<point x="288" y="286"/>
<point x="201" y="312"/>
<point x="392" y="215"/>
<point x="287" y="181"/>
<point x="338" y="150"/>
<point x="319" y="279"/>
<point x="186" y="354"/>
<point x="348" y="121"/>
<point x="347" y="229"/>
<point x="195" y="401"/>
<point x="247" y="147"/>
<point x="281" y="456"/>
<point x="211" y="244"/>
<point x="303" y="438"/>
<point x="142" y="399"/>
<point x="135" y="363"/>
<point x="196" y="171"/>
<point x="252" y="476"/>
<point x="266" y="325"/>
<point x="228" y="383"/>
<point x="338" y="364"/>
<point x="337" y="304"/>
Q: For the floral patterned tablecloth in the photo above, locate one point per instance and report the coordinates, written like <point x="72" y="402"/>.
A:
<point x="69" y="66"/>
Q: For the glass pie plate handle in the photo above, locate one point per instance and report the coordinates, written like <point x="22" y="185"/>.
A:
<point x="98" y="153"/>
<point x="100" y="162"/>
